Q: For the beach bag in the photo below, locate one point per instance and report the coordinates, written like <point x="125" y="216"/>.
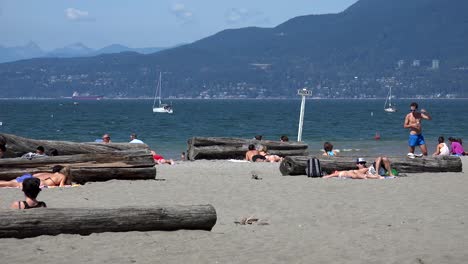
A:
<point x="313" y="168"/>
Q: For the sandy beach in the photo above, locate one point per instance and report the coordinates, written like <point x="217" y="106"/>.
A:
<point x="421" y="218"/>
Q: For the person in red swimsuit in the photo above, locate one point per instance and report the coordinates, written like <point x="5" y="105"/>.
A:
<point x="158" y="159"/>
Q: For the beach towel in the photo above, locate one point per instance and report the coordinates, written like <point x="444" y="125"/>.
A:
<point x="242" y="161"/>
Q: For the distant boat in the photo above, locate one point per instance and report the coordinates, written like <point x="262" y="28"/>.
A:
<point x="377" y="135"/>
<point x="77" y="96"/>
<point x="388" y="106"/>
<point x="161" y="108"/>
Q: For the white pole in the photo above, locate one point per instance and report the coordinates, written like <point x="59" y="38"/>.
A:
<point x="301" y="120"/>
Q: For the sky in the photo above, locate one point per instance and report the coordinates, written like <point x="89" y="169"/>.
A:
<point x="143" y="23"/>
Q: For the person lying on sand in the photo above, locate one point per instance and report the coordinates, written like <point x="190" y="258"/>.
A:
<point x="31" y="188"/>
<point x="375" y="171"/>
<point x="60" y="176"/>
<point x="158" y="159"/>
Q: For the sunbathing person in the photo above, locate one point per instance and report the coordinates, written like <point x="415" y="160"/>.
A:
<point x="373" y="172"/>
<point x="158" y="159"/>
<point x="60" y="176"/>
<point x="31" y="188"/>
<point x="269" y="157"/>
<point x="259" y="158"/>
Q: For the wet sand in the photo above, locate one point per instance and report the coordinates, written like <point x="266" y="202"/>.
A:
<point x="421" y="218"/>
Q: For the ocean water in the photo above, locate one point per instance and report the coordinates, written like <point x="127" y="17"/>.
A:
<point x="350" y="125"/>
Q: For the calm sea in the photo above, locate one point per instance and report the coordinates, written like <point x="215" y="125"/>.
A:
<point x="349" y="124"/>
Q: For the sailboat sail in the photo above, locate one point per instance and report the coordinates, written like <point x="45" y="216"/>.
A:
<point x="161" y="108"/>
<point x="389" y="107"/>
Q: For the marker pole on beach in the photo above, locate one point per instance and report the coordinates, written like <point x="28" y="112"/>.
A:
<point x="302" y="92"/>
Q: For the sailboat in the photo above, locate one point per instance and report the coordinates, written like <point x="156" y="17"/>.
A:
<point x="388" y="107"/>
<point x="161" y="108"/>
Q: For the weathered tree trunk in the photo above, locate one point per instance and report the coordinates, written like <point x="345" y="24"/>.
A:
<point x="235" y="148"/>
<point x="124" y="165"/>
<point x="297" y="165"/>
<point x="17" y="146"/>
<point x="85" y="221"/>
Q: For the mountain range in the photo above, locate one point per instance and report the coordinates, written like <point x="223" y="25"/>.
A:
<point x="32" y="50"/>
<point x="418" y="47"/>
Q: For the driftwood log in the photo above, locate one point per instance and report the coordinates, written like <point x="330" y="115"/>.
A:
<point x="17" y="146"/>
<point x="85" y="221"/>
<point x="123" y="165"/>
<point x="297" y="165"/>
<point x="235" y="148"/>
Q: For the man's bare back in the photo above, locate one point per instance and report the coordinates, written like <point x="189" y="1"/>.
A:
<point x="249" y="154"/>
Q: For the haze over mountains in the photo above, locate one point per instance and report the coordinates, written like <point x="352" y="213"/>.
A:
<point x="32" y="50"/>
<point x="418" y="47"/>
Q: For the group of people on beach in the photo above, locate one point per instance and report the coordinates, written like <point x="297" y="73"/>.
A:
<point x="158" y="159"/>
<point x="31" y="185"/>
<point x="413" y="122"/>
<point x="260" y="153"/>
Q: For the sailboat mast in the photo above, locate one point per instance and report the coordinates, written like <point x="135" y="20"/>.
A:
<point x="390" y="97"/>
<point x="160" y="88"/>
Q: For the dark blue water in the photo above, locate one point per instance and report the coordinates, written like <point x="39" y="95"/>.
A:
<point x="348" y="124"/>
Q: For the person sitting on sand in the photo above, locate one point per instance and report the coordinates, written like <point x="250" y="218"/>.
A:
<point x="363" y="172"/>
<point x="269" y="157"/>
<point x="456" y="147"/>
<point x="40" y="152"/>
<point x="60" y="176"/>
<point x="284" y="138"/>
<point x="31" y="188"/>
<point x="52" y="152"/>
<point x="328" y="148"/>
<point x="2" y="151"/>
<point x="106" y="139"/>
<point x="158" y="159"/>
<point x="442" y="148"/>
<point x="134" y="139"/>
<point x="251" y="152"/>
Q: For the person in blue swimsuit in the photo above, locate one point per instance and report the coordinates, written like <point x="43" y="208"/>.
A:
<point x="413" y="123"/>
<point x="328" y="148"/>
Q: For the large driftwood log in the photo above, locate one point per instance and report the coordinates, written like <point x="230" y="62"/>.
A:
<point x="124" y="165"/>
<point x="297" y="165"/>
<point x="17" y="146"/>
<point x="235" y="148"/>
<point x="85" y="221"/>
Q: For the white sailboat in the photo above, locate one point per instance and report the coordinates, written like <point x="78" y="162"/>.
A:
<point x="161" y="108"/>
<point x="389" y="107"/>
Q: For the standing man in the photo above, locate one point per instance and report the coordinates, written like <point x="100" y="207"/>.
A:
<point x="413" y="122"/>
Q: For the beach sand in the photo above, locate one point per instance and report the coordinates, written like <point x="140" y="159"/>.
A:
<point x="422" y="218"/>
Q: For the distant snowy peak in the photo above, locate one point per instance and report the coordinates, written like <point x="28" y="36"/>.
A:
<point x="72" y="50"/>
<point x="78" y="49"/>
